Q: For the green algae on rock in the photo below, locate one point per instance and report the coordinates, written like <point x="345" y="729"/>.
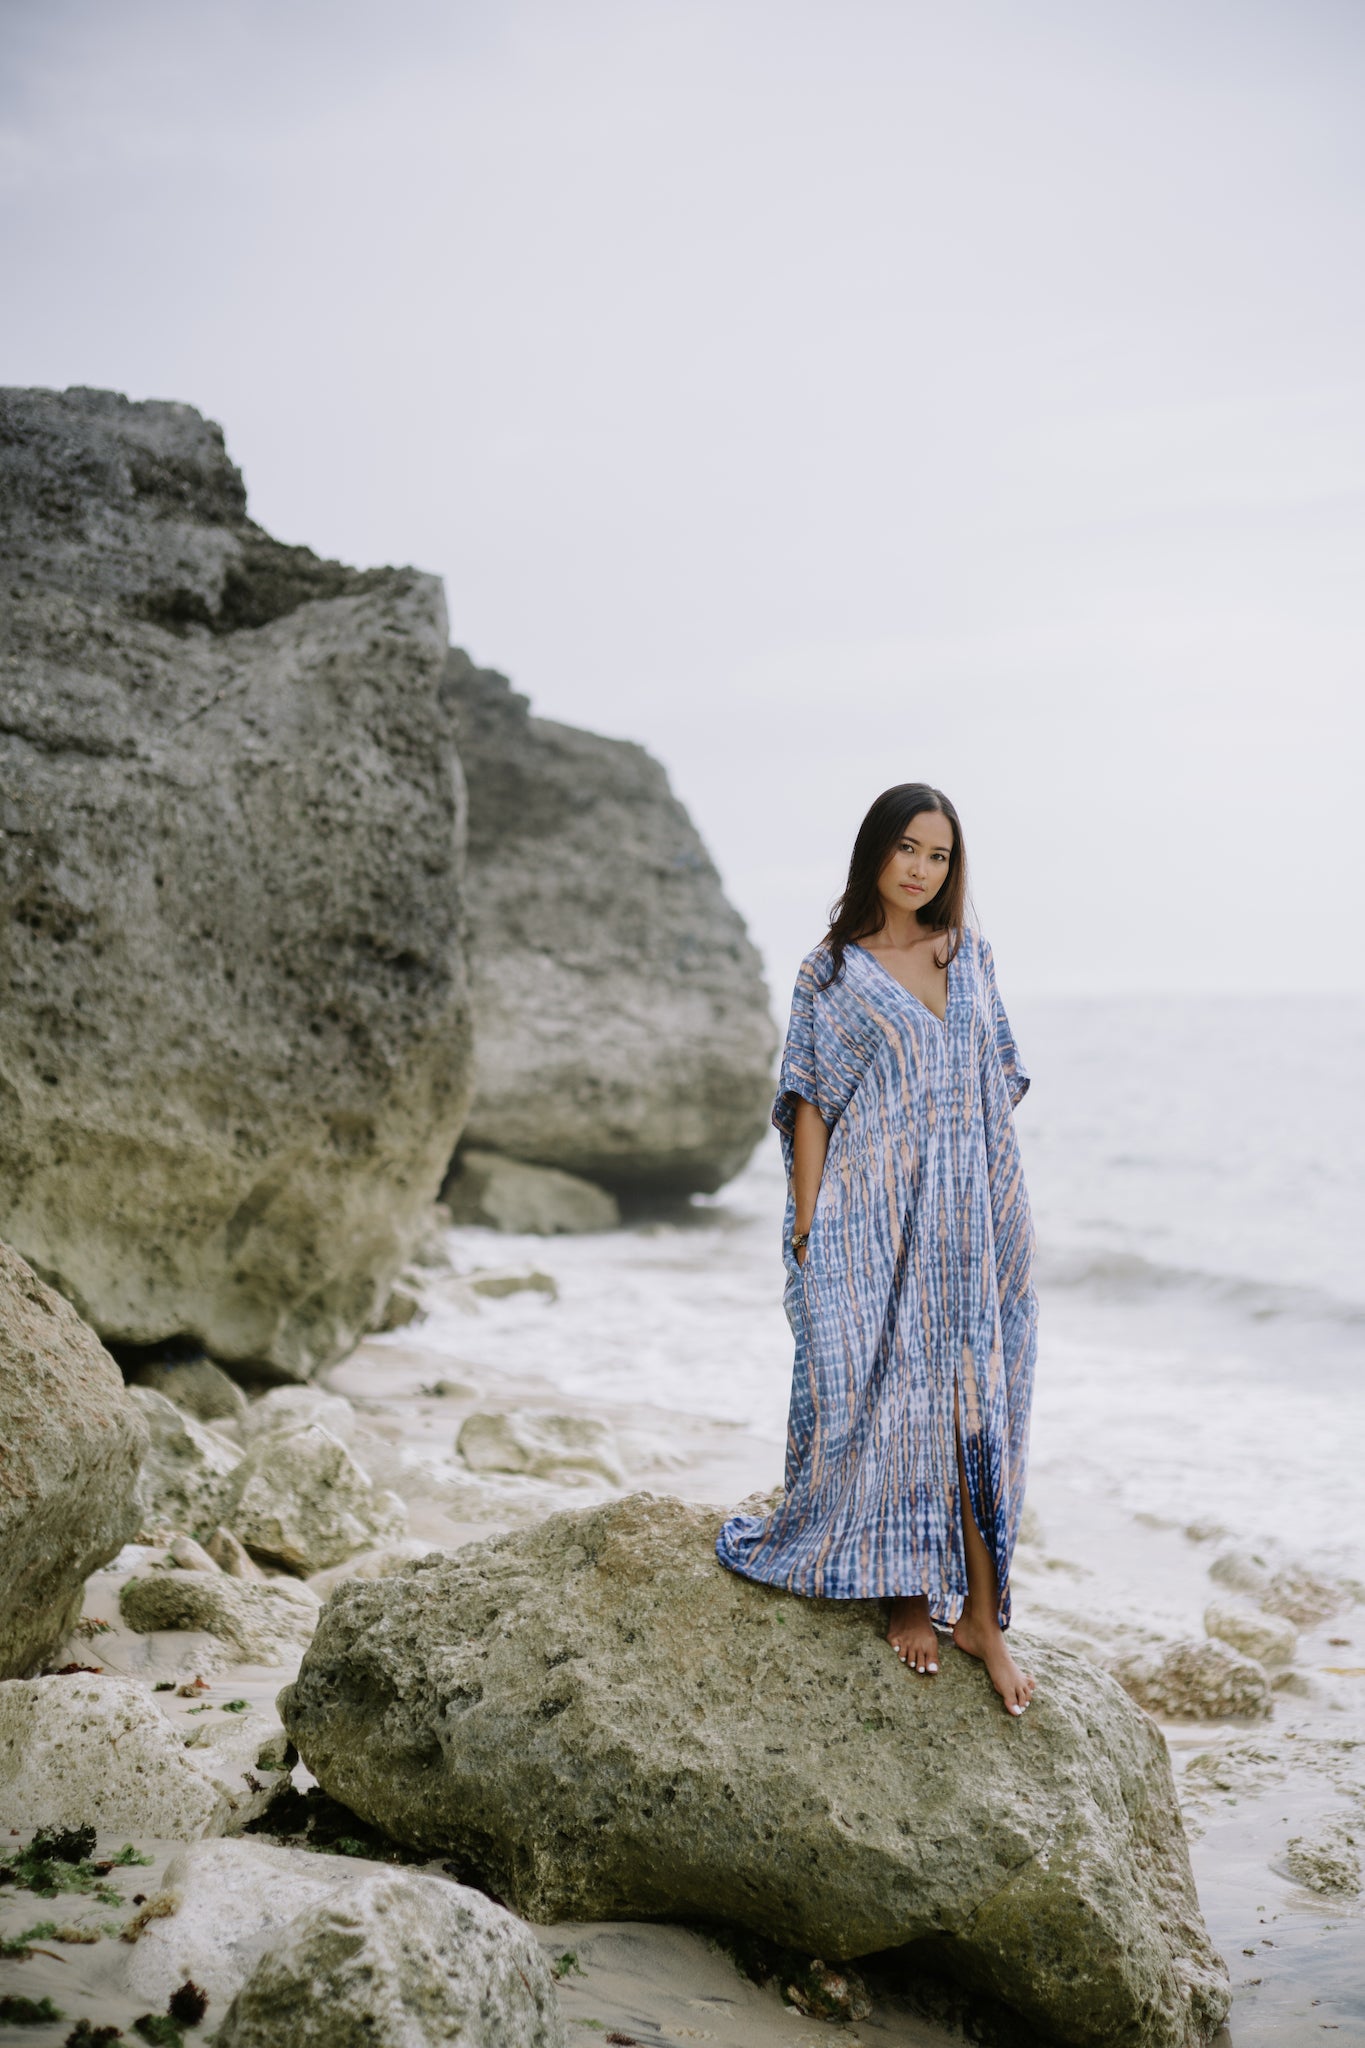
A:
<point x="597" y="1722"/>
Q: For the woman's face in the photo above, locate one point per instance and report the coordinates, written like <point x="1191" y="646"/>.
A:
<point x="917" y="866"/>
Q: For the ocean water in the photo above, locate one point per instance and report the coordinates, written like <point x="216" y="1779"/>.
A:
<point x="1195" y="1167"/>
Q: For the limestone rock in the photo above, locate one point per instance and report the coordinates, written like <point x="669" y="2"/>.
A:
<point x="234" y="1040"/>
<point x="597" y="1721"/>
<point x="496" y="1283"/>
<point x="71" y="1444"/>
<point x="197" y="1386"/>
<point x="231" y="1555"/>
<point x="1329" y="1860"/>
<point x="1281" y="1587"/>
<point x="621" y="1022"/>
<point x="504" y="1194"/>
<point x="189" y="1556"/>
<point x="186" y="1472"/>
<point x="84" y="1751"/>
<point x="541" y="1445"/>
<point x="267" y="1622"/>
<point x="370" y="1564"/>
<point x="233" y="1897"/>
<point x="1241" y="1572"/>
<point x="1195" y="1680"/>
<point x="401" y="1310"/>
<point x="395" y="1961"/>
<point x="1305" y="1597"/>
<point x="301" y="1501"/>
<point x="285" y="1409"/>
<point x="1266" y="1638"/>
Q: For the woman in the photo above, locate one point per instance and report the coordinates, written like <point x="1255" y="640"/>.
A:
<point x="908" y="1246"/>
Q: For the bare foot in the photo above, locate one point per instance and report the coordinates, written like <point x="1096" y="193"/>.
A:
<point x="984" y="1639"/>
<point x="911" y="1634"/>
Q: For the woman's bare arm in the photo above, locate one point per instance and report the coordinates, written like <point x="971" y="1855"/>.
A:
<point x="810" y="1142"/>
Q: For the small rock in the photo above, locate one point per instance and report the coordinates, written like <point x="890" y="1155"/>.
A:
<point x="267" y="1622"/>
<point x="231" y="1556"/>
<point x="1206" y="1531"/>
<point x="496" y="1284"/>
<point x="301" y="1501"/>
<point x="1304" y="1597"/>
<point x="197" y="1386"/>
<point x="540" y="1445"/>
<point x="1266" y="1638"/>
<point x="1195" y="1681"/>
<point x="506" y="1194"/>
<point x="393" y="1961"/>
<point x="285" y="1409"/>
<point x="1240" y="1571"/>
<point x="190" y="1556"/>
<point x="1291" y="1590"/>
<point x="100" y="1752"/>
<point x="371" y="1564"/>
<point x="1328" y="1862"/>
<point x="400" y="1310"/>
<point x="185" y="1474"/>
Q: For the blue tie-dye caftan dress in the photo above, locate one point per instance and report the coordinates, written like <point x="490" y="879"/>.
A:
<point x="916" y="1294"/>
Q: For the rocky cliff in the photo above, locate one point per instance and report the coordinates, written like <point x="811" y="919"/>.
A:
<point x="234" y="1039"/>
<point x="622" y="1029"/>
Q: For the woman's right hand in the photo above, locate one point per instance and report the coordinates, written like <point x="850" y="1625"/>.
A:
<point x="801" y="1255"/>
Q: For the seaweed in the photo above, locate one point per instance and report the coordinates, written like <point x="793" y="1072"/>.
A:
<point x="58" y="1860"/>
<point x="188" y="2004"/>
<point x="310" y="1820"/>
<point x="160" y="2031"/>
<point x="17" y="2011"/>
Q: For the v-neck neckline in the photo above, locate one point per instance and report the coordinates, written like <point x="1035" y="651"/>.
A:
<point x="927" y="1008"/>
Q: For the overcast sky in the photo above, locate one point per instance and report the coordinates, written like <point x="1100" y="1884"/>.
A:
<point x="826" y="395"/>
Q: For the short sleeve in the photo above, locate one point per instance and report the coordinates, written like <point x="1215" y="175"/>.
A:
<point x="998" y="1024"/>
<point x="797" y="1073"/>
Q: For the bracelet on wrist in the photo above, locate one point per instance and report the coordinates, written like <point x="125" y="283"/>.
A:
<point x="801" y="1240"/>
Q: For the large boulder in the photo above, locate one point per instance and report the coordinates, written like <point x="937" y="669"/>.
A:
<point x="621" y="1022"/>
<point x="598" y="1722"/>
<point x="395" y="1961"/>
<point x="71" y="1444"/>
<point x="234" y="1042"/>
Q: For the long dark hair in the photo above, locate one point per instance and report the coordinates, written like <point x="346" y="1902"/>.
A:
<point x="859" y="911"/>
